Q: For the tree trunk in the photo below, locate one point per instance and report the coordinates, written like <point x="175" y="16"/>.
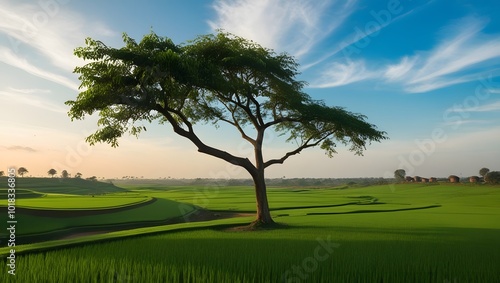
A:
<point x="263" y="214"/>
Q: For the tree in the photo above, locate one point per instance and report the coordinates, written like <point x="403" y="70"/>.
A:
<point x="52" y="172"/>
<point x="21" y="171"/>
<point x="64" y="174"/>
<point x="484" y="171"/>
<point x="78" y="175"/>
<point x="399" y="175"/>
<point x="213" y="79"/>
<point x="93" y="178"/>
<point x="493" y="177"/>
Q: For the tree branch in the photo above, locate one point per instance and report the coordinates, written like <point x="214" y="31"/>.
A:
<point x="293" y="152"/>
<point x="250" y="98"/>
<point x="247" y="110"/>
<point x="202" y="147"/>
<point x="257" y="108"/>
<point x="236" y="124"/>
<point x="280" y="120"/>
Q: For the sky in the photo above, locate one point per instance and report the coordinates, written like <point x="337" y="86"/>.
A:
<point x="427" y="72"/>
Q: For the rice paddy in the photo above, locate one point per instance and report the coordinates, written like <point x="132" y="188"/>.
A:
<point x="402" y="233"/>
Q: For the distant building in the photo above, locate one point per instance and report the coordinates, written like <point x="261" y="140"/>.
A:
<point x="433" y="179"/>
<point x="409" y="179"/>
<point x="454" y="179"/>
<point x="425" y="180"/>
<point x="474" y="179"/>
<point x="417" y="179"/>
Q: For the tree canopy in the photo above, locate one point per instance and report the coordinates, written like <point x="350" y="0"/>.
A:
<point x="52" y="172"/>
<point x="214" y="79"/>
<point x="492" y="177"/>
<point x="399" y="175"/>
<point x="64" y="174"/>
<point x="21" y="171"/>
<point x="483" y="171"/>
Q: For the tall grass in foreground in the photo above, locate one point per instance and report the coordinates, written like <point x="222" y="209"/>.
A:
<point x="215" y="256"/>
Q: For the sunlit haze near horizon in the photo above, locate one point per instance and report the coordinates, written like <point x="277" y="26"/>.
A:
<point x="425" y="72"/>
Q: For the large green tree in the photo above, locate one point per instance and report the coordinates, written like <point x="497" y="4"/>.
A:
<point x="214" y="79"/>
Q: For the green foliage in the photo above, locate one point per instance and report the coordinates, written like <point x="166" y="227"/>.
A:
<point x="483" y="171"/>
<point x="64" y="174"/>
<point x="399" y="175"/>
<point x="21" y="171"/>
<point x="52" y="172"/>
<point x="493" y="177"/>
<point x="215" y="78"/>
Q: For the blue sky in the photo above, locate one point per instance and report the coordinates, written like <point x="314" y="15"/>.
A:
<point x="426" y="72"/>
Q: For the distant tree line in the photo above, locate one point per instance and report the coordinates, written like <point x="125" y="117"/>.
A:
<point x="275" y="182"/>
<point x="21" y="171"/>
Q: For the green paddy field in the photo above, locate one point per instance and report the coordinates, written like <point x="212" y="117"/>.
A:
<point x="82" y="231"/>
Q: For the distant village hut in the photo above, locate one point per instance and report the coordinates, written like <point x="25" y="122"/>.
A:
<point x="425" y="180"/>
<point x="454" y="179"/>
<point x="409" y="179"/>
<point x="433" y="180"/>
<point x="417" y="179"/>
<point x="474" y="179"/>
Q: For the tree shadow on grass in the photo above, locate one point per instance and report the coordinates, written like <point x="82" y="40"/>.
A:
<point x="375" y="210"/>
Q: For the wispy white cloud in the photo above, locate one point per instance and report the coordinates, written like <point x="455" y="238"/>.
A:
<point x="399" y="70"/>
<point x="461" y="122"/>
<point x="294" y="26"/>
<point x="354" y="43"/>
<point x="464" y="55"/>
<point x="49" y="34"/>
<point x="21" y="148"/>
<point x="494" y="106"/>
<point x="29" y="90"/>
<point x="338" y="74"/>
<point x="10" y="58"/>
<point x="30" y="98"/>
<point x="464" y="49"/>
